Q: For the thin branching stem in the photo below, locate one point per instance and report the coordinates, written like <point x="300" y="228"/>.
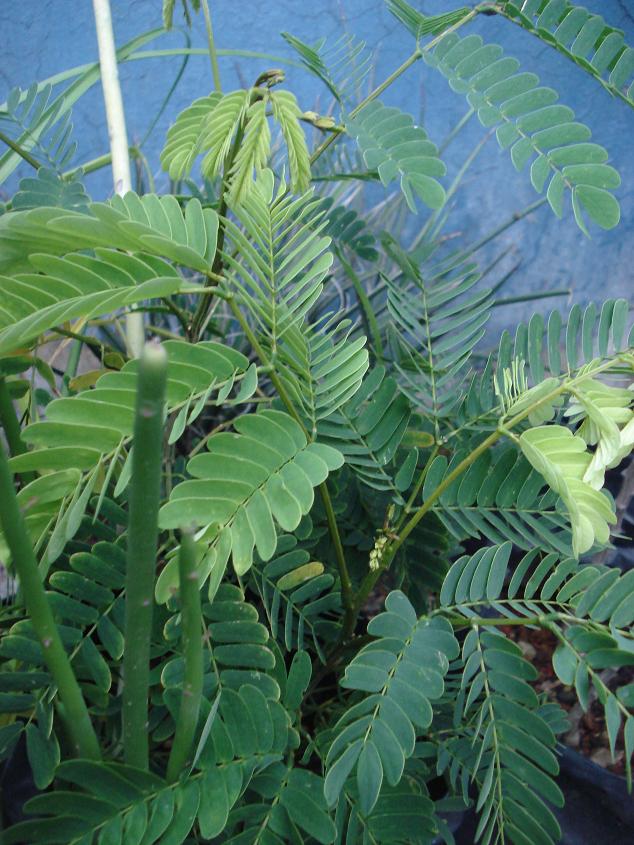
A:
<point x="211" y="43"/>
<point x="346" y="582"/>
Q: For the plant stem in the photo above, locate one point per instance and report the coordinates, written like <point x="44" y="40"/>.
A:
<point x="364" y="302"/>
<point x="72" y="705"/>
<point x="213" y="55"/>
<point x="115" y="118"/>
<point x="20" y="151"/>
<point x="193" y="654"/>
<point x="373" y="575"/>
<point x="346" y="583"/>
<point x="416" y="55"/>
<point x="9" y="420"/>
<point x="142" y="541"/>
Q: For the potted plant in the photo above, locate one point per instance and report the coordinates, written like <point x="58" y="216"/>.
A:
<point x="267" y="566"/>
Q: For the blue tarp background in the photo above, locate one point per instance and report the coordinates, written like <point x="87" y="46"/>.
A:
<point x="43" y="37"/>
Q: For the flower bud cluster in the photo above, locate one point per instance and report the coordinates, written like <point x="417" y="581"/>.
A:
<point x="377" y="552"/>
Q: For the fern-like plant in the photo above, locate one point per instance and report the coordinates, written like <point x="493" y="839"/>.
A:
<point x="268" y="572"/>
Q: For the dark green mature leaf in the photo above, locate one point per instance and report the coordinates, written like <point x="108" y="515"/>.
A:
<point x="402" y="670"/>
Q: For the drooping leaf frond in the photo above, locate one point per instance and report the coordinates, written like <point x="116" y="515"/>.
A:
<point x="233" y="131"/>
<point x="298" y="595"/>
<point x="348" y="229"/>
<point x="168" y="11"/>
<point x="287" y="113"/>
<point x="568" y="593"/>
<point x="582" y="36"/>
<point x="369" y="429"/>
<point x="86" y="601"/>
<point x="321" y="368"/>
<point x="398" y="149"/>
<point x="185" y="137"/>
<point x="288" y="803"/>
<point x="402" y="814"/>
<point x="508" y="753"/>
<point x="249" y="733"/>
<point x="534" y="126"/>
<point x="266" y="472"/>
<point x="252" y="154"/>
<point x="402" y="670"/>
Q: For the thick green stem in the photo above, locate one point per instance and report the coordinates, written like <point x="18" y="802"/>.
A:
<point x="72" y="706"/>
<point x="145" y="485"/>
<point x="213" y="53"/>
<point x="192" y="641"/>
<point x="9" y="420"/>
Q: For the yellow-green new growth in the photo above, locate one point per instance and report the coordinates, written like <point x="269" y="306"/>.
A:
<point x="563" y="460"/>
<point x="601" y="410"/>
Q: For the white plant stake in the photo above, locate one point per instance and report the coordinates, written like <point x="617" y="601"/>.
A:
<point x="117" y="133"/>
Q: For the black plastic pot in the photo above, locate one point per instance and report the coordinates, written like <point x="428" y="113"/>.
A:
<point x="598" y="808"/>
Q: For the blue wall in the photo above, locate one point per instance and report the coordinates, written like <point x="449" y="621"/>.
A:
<point x="43" y="37"/>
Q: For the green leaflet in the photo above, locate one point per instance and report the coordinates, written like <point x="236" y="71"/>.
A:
<point x="534" y="126"/>
<point x="563" y="460"/>
<point x="393" y="145"/>
<point x="249" y="481"/>
<point x="151" y="225"/>
<point x="402" y="670"/>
